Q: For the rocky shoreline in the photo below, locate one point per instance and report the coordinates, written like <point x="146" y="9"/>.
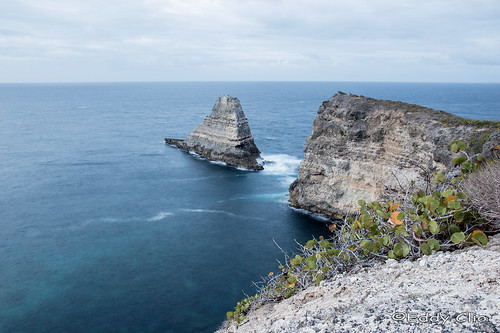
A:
<point x="364" y="148"/>
<point x="445" y="292"/>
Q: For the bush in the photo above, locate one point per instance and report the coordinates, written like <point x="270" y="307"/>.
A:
<point x="483" y="189"/>
<point x="423" y="220"/>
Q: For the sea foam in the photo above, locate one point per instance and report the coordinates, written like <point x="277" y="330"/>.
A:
<point x="160" y="216"/>
<point x="316" y="216"/>
<point x="281" y="164"/>
<point x="223" y="212"/>
<point x="213" y="211"/>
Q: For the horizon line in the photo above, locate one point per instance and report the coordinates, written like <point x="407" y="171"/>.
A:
<point x="244" y="81"/>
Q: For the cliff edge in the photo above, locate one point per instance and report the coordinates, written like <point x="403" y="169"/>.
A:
<point x="364" y="148"/>
<point x="223" y="136"/>
<point x="444" y="292"/>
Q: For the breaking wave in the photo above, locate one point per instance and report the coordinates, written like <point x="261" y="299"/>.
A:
<point x="281" y="164"/>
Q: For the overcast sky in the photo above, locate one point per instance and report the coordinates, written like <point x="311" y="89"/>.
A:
<point x="270" y="40"/>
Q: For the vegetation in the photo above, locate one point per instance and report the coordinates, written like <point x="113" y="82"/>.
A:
<point x="478" y="139"/>
<point x="483" y="189"/>
<point x="443" y="215"/>
<point x="452" y="120"/>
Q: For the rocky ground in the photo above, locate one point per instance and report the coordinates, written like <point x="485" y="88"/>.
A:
<point x="445" y="292"/>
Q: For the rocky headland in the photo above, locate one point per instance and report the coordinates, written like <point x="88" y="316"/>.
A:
<point x="223" y="136"/>
<point x="365" y="148"/>
<point x="444" y="292"/>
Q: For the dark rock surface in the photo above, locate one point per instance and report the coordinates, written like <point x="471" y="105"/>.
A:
<point x="491" y="149"/>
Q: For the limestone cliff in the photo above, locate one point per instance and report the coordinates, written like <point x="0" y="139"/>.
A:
<point x="361" y="146"/>
<point x="223" y="136"/>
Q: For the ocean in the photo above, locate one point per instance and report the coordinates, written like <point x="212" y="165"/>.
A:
<point x="104" y="228"/>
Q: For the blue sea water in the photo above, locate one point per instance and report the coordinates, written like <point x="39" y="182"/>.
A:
<point x="104" y="228"/>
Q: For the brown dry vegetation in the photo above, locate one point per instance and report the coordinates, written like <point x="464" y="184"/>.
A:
<point x="483" y="189"/>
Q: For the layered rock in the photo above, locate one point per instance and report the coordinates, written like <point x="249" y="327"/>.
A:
<point x="364" y="148"/>
<point x="223" y="136"/>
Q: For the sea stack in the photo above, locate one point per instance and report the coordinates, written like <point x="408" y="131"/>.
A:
<point x="365" y="148"/>
<point x="223" y="136"/>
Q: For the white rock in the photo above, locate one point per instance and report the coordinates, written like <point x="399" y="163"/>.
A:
<point x="223" y="136"/>
<point x="407" y="265"/>
<point x="392" y="263"/>
<point x="433" y="289"/>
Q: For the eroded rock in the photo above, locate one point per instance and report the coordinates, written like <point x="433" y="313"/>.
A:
<point x="364" y="148"/>
<point x="223" y="136"/>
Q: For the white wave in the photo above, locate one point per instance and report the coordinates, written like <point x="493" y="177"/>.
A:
<point x="244" y="169"/>
<point x="85" y="223"/>
<point x="230" y="166"/>
<point x="221" y="163"/>
<point x="214" y="211"/>
<point x="218" y="162"/>
<point x="316" y="216"/>
<point x="281" y="164"/>
<point x="289" y="179"/>
<point x="195" y="155"/>
<point x="160" y="216"/>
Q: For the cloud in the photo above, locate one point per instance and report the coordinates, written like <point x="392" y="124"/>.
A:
<point x="483" y="51"/>
<point x="246" y="40"/>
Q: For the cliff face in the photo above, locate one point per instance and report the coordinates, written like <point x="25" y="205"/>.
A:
<point x="223" y="136"/>
<point x="359" y="146"/>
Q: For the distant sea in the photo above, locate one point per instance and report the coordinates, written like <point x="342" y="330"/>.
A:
<point x="104" y="228"/>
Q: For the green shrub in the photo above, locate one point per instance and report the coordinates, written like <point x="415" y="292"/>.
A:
<point x="435" y="217"/>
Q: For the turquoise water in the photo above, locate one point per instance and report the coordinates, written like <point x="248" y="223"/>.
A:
<point x="104" y="228"/>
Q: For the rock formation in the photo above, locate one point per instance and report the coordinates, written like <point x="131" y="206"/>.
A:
<point x="224" y="136"/>
<point x="364" y="148"/>
<point x="491" y="149"/>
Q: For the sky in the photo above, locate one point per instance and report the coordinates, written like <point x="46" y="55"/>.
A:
<point x="249" y="40"/>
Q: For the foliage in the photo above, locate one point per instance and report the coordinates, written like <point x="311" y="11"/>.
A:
<point x="423" y="220"/>
<point x="242" y="308"/>
<point x="452" y="120"/>
<point x="483" y="191"/>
